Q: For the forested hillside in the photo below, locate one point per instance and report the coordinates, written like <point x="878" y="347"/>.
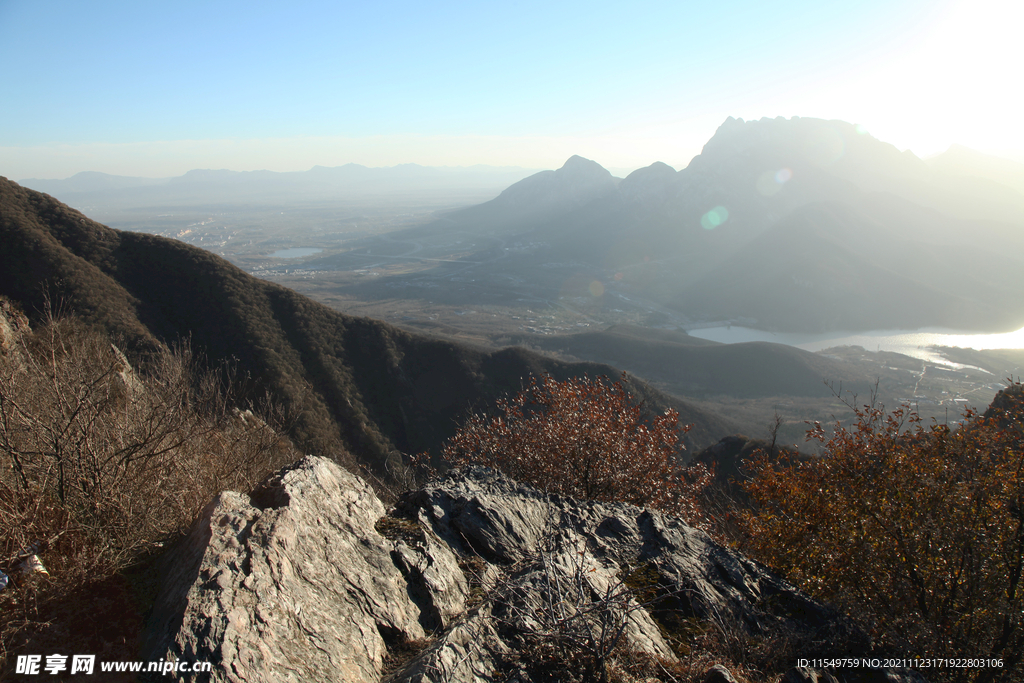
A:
<point x="349" y="384"/>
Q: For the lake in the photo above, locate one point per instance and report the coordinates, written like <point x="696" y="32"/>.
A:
<point x="913" y="343"/>
<point x="295" y="252"/>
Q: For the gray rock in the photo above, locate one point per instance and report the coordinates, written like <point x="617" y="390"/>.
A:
<point x="587" y="549"/>
<point x="435" y="581"/>
<point x="290" y="584"/>
<point x="718" y="674"/>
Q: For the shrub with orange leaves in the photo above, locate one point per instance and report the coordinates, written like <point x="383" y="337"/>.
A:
<point x="918" y="531"/>
<point x="586" y="439"/>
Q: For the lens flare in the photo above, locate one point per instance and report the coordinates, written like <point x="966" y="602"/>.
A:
<point x="861" y="130"/>
<point x="770" y="182"/>
<point x="713" y="218"/>
<point x="596" y="288"/>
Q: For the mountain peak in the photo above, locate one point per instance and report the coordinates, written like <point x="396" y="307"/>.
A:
<point x="649" y="182"/>
<point x="579" y="166"/>
<point x="578" y="181"/>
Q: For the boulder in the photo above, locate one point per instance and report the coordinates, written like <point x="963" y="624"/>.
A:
<point x="291" y="583"/>
<point x="718" y="674"/>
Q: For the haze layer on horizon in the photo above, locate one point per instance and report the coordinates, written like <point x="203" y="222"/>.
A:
<point x="156" y="90"/>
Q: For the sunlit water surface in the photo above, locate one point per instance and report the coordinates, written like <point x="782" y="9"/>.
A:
<point x="914" y="343"/>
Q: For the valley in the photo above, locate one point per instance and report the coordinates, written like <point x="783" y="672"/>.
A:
<point x="473" y="289"/>
<point x="760" y="230"/>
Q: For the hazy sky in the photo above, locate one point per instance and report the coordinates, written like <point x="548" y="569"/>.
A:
<point x="155" y="89"/>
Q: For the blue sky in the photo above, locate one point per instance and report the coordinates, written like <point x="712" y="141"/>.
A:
<point x="140" y="88"/>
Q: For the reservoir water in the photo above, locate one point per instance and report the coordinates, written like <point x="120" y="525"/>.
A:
<point x="915" y="343"/>
<point x="295" y="252"/>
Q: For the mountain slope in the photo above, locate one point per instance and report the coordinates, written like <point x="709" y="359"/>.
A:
<point x="690" y="366"/>
<point x="960" y="161"/>
<point x="354" y="383"/>
<point x="826" y="266"/>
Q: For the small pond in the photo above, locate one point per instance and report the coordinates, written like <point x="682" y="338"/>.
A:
<point x="295" y="252"/>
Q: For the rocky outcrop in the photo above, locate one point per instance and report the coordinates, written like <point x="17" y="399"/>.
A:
<point x="650" y="575"/>
<point x="13" y="324"/>
<point x="473" y="578"/>
<point x="291" y="583"/>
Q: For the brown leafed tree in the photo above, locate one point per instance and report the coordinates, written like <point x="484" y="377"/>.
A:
<point x="586" y="439"/>
<point x="916" y="530"/>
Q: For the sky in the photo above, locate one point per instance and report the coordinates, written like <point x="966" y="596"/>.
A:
<point x="156" y="89"/>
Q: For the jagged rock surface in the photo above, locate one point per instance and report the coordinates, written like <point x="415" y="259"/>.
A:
<point x="308" y="579"/>
<point x="290" y="584"/>
<point x="539" y="540"/>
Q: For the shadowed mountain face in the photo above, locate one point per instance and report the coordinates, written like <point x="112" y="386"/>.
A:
<point x="826" y="266"/>
<point x="690" y="366"/>
<point x="798" y="224"/>
<point x="354" y="383"/>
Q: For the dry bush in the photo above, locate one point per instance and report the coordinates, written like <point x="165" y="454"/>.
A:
<point x="916" y="531"/>
<point x="585" y="439"/>
<point x="100" y="464"/>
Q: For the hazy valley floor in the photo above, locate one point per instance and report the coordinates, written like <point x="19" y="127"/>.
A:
<point x="440" y="285"/>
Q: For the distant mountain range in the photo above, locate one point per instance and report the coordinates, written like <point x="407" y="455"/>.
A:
<point x="259" y="187"/>
<point x="797" y="224"/>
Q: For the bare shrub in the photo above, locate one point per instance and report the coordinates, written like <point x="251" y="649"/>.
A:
<point x="586" y="439"/>
<point x="100" y="464"/>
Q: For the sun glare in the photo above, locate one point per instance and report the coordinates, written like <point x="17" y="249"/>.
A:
<point x="957" y="83"/>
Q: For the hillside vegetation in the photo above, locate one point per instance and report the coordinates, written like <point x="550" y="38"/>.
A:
<point x="102" y="464"/>
<point x="918" y="532"/>
<point x="357" y="388"/>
